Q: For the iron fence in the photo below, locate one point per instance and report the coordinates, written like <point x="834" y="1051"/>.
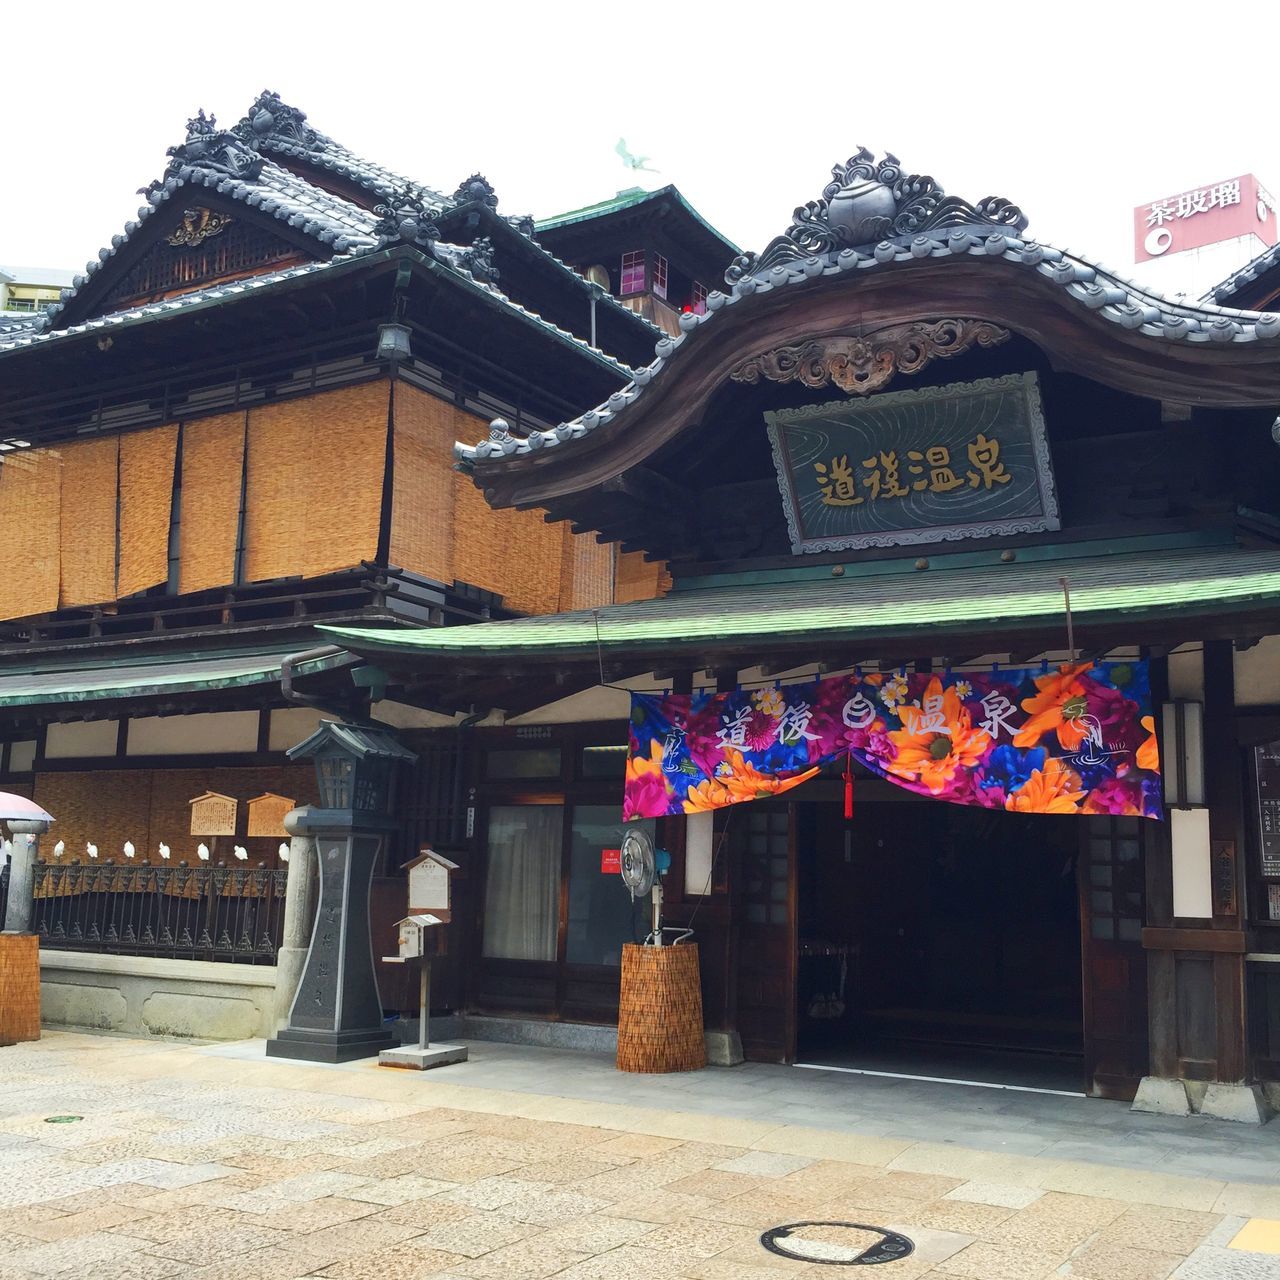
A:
<point x="180" y="912"/>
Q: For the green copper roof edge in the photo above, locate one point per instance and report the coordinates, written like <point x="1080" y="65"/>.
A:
<point x="771" y="626"/>
<point x="172" y="682"/>
<point x="905" y="564"/>
<point x="617" y="205"/>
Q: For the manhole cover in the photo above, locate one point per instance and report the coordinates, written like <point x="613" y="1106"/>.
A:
<point x="62" y="1119"/>
<point x="838" y="1244"/>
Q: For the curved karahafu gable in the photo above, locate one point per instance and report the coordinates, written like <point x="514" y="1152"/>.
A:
<point x="911" y="252"/>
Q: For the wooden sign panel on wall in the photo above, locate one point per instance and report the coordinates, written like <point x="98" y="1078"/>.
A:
<point x="969" y="460"/>
<point x="266" y="814"/>
<point x="213" y="815"/>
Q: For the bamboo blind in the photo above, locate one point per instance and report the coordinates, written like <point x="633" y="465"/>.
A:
<point x="107" y="806"/>
<point x="586" y="576"/>
<point x="146" y="506"/>
<point x="424" y="482"/>
<point x="30" y="505"/>
<point x="515" y="553"/>
<point x="87" y="550"/>
<point x="110" y="806"/>
<point x="313" y="503"/>
<point x="640" y="579"/>
<point x="212" y="464"/>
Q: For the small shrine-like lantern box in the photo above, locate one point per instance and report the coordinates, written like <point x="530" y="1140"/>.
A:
<point x="355" y="768"/>
<point x="213" y="814"/>
<point x="420" y="937"/>
<point x="430" y="883"/>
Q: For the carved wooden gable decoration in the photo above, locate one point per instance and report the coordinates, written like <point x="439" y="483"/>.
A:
<point x="203" y="245"/>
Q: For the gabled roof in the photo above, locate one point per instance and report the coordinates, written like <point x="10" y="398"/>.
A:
<point x="234" y="165"/>
<point x="277" y="128"/>
<point x="872" y="220"/>
<point x="635" y="198"/>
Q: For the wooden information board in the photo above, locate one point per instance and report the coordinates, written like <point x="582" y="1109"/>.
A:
<point x="1266" y="763"/>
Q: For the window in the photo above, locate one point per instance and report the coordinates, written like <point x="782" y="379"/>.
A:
<point x="522" y="887"/>
<point x="522" y="762"/>
<point x="601" y="914"/>
<point x="633" y="272"/>
<point x="20" y="304"/>
<point x="698" y="299"/>
<point x="659" y="275"/>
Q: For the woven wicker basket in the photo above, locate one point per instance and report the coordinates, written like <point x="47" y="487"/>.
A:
<point x="19" y="987"/>
<point x="660" y="1010"/>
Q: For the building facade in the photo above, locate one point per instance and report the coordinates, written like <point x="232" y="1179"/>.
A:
<point x="1100" y="946"/>
<point x="236" y="423"/>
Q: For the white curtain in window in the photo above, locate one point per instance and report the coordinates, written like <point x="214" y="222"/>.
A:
<point x="522" y="889"/>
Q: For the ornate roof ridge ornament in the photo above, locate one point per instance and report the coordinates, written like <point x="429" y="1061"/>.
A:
<point x="406" y="216"/>
<point x="271" y="117"/>
<point x="478" y="259"/>
<point x="217" y="150"/>
<point x="867" y="201"/>
<point x="863" y="364"/>
<point x="476" y="189"/>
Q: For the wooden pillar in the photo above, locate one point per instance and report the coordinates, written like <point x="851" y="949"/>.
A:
<point x="1224" y="795"/>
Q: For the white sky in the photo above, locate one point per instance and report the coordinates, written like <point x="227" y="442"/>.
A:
<point x="1077" y="118"/>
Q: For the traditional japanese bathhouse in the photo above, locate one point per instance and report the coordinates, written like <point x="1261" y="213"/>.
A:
<point x="240" y="421"/>
<point x="911" y="448"/>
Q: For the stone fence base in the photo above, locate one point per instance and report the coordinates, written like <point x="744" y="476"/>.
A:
<point x="144" y="996"/>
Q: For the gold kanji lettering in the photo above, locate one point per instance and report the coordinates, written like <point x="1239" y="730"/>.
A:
<point x="882" y="476"/>
<point x="941" y="477"/>
<point x="835" y="480"/>
<point x="984" y="454"/>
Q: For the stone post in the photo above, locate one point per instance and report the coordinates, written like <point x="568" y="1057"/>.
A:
<point x="299" y="918"/>
<point x="26" y="841"/>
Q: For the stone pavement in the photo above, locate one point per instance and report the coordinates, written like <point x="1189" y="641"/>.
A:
<point x="214" y="1162"/>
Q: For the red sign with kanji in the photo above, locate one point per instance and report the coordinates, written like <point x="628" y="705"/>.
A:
<point x="1206" y="215"/>
<point x="611" y="861"/>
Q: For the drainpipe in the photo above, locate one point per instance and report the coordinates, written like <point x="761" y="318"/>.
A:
<point x="287" y="665"/>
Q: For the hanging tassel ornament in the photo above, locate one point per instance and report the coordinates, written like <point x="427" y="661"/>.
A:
<point x="848" y="786"/>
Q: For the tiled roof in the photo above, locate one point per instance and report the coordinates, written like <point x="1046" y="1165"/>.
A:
<point x="894" y="600"/>
<point x="1092" y="288"/>
<point x="1225" y="290"/>
<point x="338" y="224"/>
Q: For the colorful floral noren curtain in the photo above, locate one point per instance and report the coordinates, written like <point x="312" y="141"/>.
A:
<point x="1079" y="738"/>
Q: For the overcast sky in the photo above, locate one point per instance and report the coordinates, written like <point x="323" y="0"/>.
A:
<point x="1077" y="118"/>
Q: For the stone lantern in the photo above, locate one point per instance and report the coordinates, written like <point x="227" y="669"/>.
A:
<point x="337" y="1013"/>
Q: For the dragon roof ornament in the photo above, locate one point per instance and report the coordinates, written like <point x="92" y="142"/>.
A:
<point x="476" y="189"/>
<point x="868" y="201"/>
<point x="406" y="216"/>
<point x="216" y="150"/>
<point x="271" y="117"/>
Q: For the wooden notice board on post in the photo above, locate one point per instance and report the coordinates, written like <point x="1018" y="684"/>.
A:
<point x="213" y="814"/>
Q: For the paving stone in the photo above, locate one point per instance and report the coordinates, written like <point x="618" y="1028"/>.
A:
<point x="476" y="1235"/>
<point x="492" y="1193"/>
<point x="983" y="1260"/>
<point x="592" y="1235"/>
<point x="527" y="1259"/>
<point x="1118" y="1262"/>
<point x="400" y="1190"/>
<point x="394" y="1262"/>
<point x="765" y="1164"/>
<point x="995" y="1193"/>
<point x="1211" y="1263"/>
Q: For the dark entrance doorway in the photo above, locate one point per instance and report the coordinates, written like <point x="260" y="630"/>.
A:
<point x="940" y="940"/>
